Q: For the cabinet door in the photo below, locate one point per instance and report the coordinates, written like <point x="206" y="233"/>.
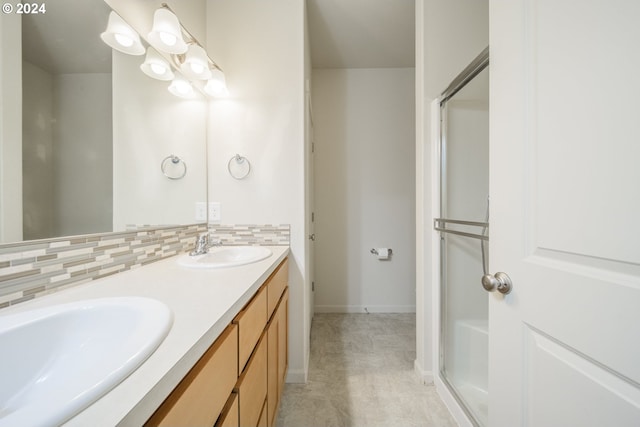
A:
<point x="252" y="386"/>
<point x="283" y="340"/>
<point x="200" y="397"/>
<point x="273" y="347"/>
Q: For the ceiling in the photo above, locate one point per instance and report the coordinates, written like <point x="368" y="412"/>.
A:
<point x="362" y="33"/>
<point x="342" y="33"/>
<point x="66" y="39"/>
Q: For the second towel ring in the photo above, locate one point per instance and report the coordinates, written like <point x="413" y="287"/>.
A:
<point x="174" y="160"/>
<point x="240" y="168"/>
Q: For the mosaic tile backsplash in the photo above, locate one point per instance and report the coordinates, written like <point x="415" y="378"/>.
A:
<point x="36" y="268"/>
<point x="251" y="234"/>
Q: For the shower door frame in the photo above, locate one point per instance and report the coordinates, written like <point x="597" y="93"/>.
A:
<point x="479" y="64"/>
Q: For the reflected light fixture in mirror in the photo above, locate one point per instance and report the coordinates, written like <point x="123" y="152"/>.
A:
<point x="120" y="36"/>
<point x="217" y="85"/>
<point x="196" y="63"/>
<point x="155" y="66"/>
<point x="182" y="87"/>
<point x="166" y="33"/>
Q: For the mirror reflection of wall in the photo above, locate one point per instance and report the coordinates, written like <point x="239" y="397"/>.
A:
<point x="103" y="174"/>
<point x="66" y="122"/>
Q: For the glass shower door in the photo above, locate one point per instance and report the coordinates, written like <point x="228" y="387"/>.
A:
<point x="464" y="233"/>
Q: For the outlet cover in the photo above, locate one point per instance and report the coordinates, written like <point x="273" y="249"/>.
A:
<point x="214" y="212"/>
<point x="201" y="211"/>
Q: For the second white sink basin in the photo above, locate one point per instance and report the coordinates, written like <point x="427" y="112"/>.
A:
<point x="226" y="256"/>
<point x="56" y="361"/>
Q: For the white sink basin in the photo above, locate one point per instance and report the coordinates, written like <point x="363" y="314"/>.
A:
<point x="56" y="361"/>
<point x="226" y="256"/>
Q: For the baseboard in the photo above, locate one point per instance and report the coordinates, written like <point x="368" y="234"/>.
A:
<point x="365" y="309"/>
<point x="426" y="377"/>
<point x="296" y="376"/>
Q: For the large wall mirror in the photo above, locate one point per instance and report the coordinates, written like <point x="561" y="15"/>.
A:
<point x="94" y="132"/>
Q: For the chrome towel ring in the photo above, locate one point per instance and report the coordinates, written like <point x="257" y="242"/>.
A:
<point x="174" y="170"/>
<point x="240" y="168"/>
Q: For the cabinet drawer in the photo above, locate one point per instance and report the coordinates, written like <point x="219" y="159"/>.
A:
<point x="251" y="322"/>
<point x="200" y="397"/>
<point x="275" y="286"/>
<point x="252" y="387"/>
<point x="230" y="416"/>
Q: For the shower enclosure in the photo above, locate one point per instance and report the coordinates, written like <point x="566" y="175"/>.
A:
<point x="464" y="229"/>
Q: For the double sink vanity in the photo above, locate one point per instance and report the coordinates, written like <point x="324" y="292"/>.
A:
<point x="190" y="340"/>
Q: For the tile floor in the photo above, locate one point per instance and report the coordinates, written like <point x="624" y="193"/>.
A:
<point x="361" y="374"/>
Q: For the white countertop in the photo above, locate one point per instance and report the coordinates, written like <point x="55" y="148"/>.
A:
<point x="203" y="301"/>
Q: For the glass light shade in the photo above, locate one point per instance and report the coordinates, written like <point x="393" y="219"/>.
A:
<point x="182" y="87"/>
<point x="121" y="37"/>
<point x="155" y="66"/>
<point x="166" y="33"/>
<point x="196" y="63"/>
<point x="217" y="85"/>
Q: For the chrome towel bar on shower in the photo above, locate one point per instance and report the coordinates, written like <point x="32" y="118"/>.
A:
<point x="439" y="224"/>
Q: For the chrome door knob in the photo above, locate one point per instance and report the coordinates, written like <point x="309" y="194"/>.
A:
<point x="500" y="282"/>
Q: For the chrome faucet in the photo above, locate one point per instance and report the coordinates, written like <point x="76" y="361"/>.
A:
<point x="203" y="244"/>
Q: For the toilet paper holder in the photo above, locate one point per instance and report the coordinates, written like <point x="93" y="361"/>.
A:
<point x="375" y="251"/>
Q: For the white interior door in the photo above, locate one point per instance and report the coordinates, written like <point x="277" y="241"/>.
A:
<point x="565" y="215"/>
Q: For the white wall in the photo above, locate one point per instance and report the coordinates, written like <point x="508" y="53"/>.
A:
<point x="260" y="46"/>
<point x="10" y="128"/>
<point x="66" y="128"/>
<point x="150" y="124"/>
<point x="449" y="35"/>
<point x="82" y="146"/>
<point x="364" y="133"/>
<point x="37" y="152"/>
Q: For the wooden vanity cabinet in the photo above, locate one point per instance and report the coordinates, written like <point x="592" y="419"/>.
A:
<point x="252" y="386"/>
<point x="230" y="416"/>
<point x="277" y="349"/>
<point x="276" y="284"/>
<point x="239" y="380"/>
<point x="251" y="322"/>
<point x="202" y="394"/>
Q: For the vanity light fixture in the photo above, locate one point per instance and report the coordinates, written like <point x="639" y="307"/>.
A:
<point x="166" y="33"/>
<point x="196" y="63"/>
<point x="168" y="52"/>
<point x="120" y="36"/>
<point x="182" y="87"/>
<point x="155" y="66"/>
<point x="217" y="85"/>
